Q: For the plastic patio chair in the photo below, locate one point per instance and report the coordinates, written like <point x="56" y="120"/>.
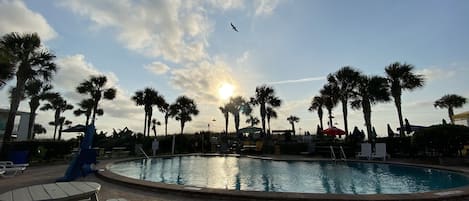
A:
<point x="365" y="151"/>
<point x="380" y="151"/>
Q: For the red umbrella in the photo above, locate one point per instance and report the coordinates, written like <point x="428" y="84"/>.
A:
<point x="334" y="131"/>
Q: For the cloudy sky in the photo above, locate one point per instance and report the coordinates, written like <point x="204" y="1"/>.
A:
<point x="188" y="48"/>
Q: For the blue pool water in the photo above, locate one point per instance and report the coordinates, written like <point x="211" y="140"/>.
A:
<point x="280" y="176"/>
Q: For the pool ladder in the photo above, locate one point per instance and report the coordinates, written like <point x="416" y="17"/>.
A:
<point x="342" y="153"/>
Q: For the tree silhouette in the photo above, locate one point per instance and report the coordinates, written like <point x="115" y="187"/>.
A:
<point x="183" y="109"/>
<point x="316" y="104"/>
<point x="155" y="123"/>
<point x="345" y="79"/>
<point x="401" y="77"/>
<point x="58" y="105"/>
<point x="95" y="87"/>
<point x="86" y="108"/>
<point x="236" y="106"/>
<point x="165" y="109"/>
<point x="270" y="113"/>
<point x="329" y="93"/>
<point x="264" y="96"/>
<point x="450" y="101"/>
<point x="226" y="112"/>
<point x="292" y="120"/>
<point x="252" y="120"/>
<point x="369" y="91"/>
<point x="29" y="61"/>
<point x="38" y="129"/>
<point x="36" y="91"/>
<point x="62" y="122"/>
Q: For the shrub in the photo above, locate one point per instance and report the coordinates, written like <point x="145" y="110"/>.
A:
<point x="447" y="140"/>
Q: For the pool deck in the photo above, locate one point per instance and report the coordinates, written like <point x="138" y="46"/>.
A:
<point x="114" y="186"/>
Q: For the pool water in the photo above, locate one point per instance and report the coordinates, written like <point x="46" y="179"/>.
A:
<point x="280" y="176"/>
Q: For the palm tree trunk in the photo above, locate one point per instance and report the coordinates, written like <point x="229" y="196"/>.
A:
<point x="56" y="121"/>
<point x="330" y="117"/>
<point x="150" y="114"/>
<point x="236" y="117"/>
<point x="451" y="113"/>
<point x="15" y="102"/>
<point x="263" y="117"/>
<point x="145" y="123"/>
<point x="182" y="126"/>
<point x="397" y="102"/>
<point x="227" y="119"/>
<point x="95" y="108"/>
<point x="344" y="112"/>
<point x="32" y="117"/>
<point x="268" y="124"/>
<point x="166" y="117"/>
<point x="320" y="118"/>
<point x="293" y="128"/>
<point x="87" y="120"/>
<point x="60" y="130"/>
<point x="154" y="129"/>
<point x="367" y="116"/>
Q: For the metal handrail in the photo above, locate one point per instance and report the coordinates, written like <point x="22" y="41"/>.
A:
<point x="343" y="153"/>
<point x="146" y="156"/>
<point x="332" y="153"/>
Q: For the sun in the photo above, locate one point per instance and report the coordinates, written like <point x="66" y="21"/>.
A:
<point x="225" y="91"/>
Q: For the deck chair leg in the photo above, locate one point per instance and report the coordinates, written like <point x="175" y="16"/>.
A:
<point x="94" y="197"/>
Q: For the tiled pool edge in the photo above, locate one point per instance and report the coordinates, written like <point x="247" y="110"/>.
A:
<point x="189" y="191"/>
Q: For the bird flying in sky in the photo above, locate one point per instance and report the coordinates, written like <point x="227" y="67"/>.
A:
<point x="233" y="27"/>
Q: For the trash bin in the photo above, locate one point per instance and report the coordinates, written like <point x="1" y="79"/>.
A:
<point x="19" y="156"/>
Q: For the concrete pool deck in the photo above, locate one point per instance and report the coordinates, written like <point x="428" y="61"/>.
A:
<point x="135" y="190"/>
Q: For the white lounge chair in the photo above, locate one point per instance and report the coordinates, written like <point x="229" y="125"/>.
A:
<point x="365" y="151"/>
<point x="380" y="151"/>
<point x="9" y="169"/>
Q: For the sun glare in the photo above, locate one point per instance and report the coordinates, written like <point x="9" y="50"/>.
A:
<point x="225" y="91"/>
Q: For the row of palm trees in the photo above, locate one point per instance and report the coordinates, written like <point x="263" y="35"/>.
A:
<point x="182" y="109"/>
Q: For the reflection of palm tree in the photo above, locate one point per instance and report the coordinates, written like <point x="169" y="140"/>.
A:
<point x="59" y="105"/>
<point x="316" y="104"/>
<point x="252" y="120"/>
<point x="329" y="96"/>
<point x="345" y="80"/>
<point x="401" y="77"/>
<point x="30" y="60"/>
<point x="226" y="112"/>
<point x="183" y="109"/>
<point x="450" y="101"/>
<point x="95" y="88"/>
<point x="270" y="113"/>
<point x="264" y="96"/>
<point x="292" y="120"/>
<point x="369" y="91"/>
<point x="36" y="90"/>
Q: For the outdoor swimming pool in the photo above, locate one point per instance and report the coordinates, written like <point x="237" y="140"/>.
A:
<point x="248" y="174"/>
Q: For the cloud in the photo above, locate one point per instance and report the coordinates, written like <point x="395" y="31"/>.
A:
<point x="432" y="74"/>
<point x="308" y="79"/>
<point x="265" y="7"/>
<point x="243" y="58"/>
<point x="227" y="4"/>
<point x="157" y="67"/>
<point x="16" y="17"/>
<point x="171" y="29"/>
<point x="202" y="80"/>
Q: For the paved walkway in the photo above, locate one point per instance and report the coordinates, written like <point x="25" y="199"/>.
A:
<point x="49" y="173"/>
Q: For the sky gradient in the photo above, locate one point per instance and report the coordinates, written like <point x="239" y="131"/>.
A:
<point x="188" y="48"/>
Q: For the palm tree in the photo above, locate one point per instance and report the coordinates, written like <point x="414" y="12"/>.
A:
<point x="59" y="105"/>
<point x="183" y="109"/>
<point x="38" y="129"/>
<point x="148" y="98"/>
<point x="165" y="109"/>
<point x="30" y="60"/>
<point x="86" y="107"/>
<point x="265" y="96"/>
<point x="329" y="94"/>
<point x="252" y="120"/>
<point x="62" y="122"/>
<point x="226" y="112"/>
<point x="450" y="101"/>
<point x="292" y="120"/>
<point x="369" y="91"/>
<point x="155" y="123"/>
<point x="401" y="77"/>
<point x="236" y="106"/>
<point x="316" y="104"/>
<point x="36" y="90"/>
<point x="95" y="88"/>
<point x="345" y="79"/>
<point x="270" y="113"/>
<point x="7" y="68"/>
